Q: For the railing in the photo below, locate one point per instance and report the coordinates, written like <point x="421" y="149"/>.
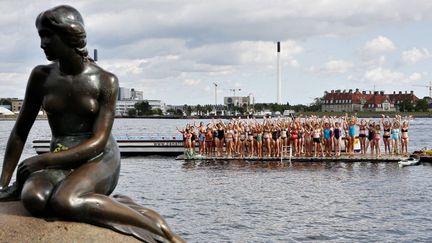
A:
<point x="285" y="149"/>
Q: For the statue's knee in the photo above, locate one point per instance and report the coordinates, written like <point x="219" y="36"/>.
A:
<point x="65" y="205"/>
<point x="35" y="196"/>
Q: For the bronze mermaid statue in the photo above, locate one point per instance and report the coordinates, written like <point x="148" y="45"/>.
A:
<point x="75" y="179"/>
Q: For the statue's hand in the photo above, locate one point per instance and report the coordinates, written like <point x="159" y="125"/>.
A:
<point x="29" y="166"/>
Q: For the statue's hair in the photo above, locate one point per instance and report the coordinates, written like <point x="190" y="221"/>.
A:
<point x="68" y="23"/>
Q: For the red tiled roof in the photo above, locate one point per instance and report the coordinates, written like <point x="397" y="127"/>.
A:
<point x="376" y="99"/>
<point x="356" y="97"/>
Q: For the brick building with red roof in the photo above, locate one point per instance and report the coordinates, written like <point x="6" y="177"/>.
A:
<point x="347" y="101"/>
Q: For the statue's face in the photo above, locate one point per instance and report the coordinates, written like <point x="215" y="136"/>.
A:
<point x="53" y="46"/>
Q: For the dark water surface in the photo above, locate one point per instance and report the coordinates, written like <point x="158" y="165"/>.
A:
<point x="273" y="202"/>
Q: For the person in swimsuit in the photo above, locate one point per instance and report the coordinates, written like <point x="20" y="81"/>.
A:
<point x="219" y="138"/>
<point x="351" y="134"/>
<point x="362" y="136"/>
<point x="336" y="138"/>
<point x="386" y="135"/>
<point x="259" y="139"/>
<point x="308" y="139"/>
<point x="316" y="136"/>
<point x="229" y="137"/>
<point x="404" y="136"/>
<point x="209" y="141"/>
<point x="267" y="138"/>
<point x="328" y="137"/>
<point x="377" y="138"/>
<point x="284" y="138"/>
<point x="370" y="137"/>
<point x="275" y="132"/>
<point x="242" y="140"/>
<point x="395" y="135"/>
<point x="300" y="137"/>
<point x="194" y="137"/>
<point x="202" y="138"/>
<point x="74" y="179"/>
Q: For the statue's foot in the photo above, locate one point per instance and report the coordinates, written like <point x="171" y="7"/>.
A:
<point x="10" y="193"/>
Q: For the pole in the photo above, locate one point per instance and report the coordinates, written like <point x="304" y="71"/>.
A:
<point x="430" y="89"/>
<point x="215" y="84"/>
<point x="279" y="83"/>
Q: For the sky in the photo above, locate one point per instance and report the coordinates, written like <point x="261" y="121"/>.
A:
<point x="175" y="50"/>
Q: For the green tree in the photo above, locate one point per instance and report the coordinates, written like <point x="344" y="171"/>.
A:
<point x="132" y="112"/>
<point x="5" y="102"/>
<point x="406" y="105"/>
<point x="158" y="112"/>
<point x="143" y="108"/>
<point x="422" y="105"/>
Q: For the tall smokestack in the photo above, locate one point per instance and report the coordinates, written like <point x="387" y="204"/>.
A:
<point x="279" y="83"/>
<point x="95" y="57"/>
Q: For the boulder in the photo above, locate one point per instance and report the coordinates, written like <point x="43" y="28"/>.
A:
<point x="17" y="225"/>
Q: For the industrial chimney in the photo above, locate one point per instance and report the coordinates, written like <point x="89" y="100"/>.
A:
<point x="278" y="81"/>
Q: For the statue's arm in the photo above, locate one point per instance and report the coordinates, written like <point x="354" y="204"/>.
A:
<point x="18" y="136"/>
<point x="101" y="131"/>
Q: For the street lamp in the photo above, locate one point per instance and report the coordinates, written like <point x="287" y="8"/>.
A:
<point x="215" y="85"/>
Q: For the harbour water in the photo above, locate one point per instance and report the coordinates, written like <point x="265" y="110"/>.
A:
<point x="272" y="202"/>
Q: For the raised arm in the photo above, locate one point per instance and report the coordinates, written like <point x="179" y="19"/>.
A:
<point x="18" y="136"/>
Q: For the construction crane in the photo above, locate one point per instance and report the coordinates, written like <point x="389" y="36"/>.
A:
<point x="427" y="86"/>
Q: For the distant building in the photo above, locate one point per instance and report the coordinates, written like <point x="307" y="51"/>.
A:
<point x="349" y="101"/>
<point x="129" y="94"/>
<point x="127" y="98"/>
<point x="16" y="105"/>
<point x="123" y="106"/>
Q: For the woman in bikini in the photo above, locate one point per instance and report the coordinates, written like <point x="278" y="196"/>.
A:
<point x="404" y="136"/>
<point x="316" y="136"/>
<point x="377" y="145"/>
<point x="267" y="138"/>
<point x="362" y="136"/>
<point x="386" y="134"/>
<point x="229" y="137"/>
<point x="308" y="139"/>
<point x="209" y="140"/>
<point x="284" y="137"/>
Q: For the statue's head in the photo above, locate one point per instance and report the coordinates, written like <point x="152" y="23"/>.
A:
<point x="67" y="23"/>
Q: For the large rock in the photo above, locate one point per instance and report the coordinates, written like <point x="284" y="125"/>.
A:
<point x="17" y="225"/>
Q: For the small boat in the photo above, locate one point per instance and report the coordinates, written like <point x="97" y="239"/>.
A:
<point x="410" y="161"/>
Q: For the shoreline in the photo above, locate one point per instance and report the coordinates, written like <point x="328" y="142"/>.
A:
<point x="320" y="114"/>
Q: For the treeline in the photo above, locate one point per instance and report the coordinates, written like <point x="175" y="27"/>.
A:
<point x="143" y="109"/>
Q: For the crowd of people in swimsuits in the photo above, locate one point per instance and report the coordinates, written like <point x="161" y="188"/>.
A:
<point x="302" y="136"/>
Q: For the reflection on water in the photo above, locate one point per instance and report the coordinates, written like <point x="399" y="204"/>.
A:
<point x="252" y="201"/>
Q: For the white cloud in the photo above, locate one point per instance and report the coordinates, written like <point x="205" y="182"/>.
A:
<point x="381" y="75"/>
<point x="337" y="66"/>
<point x="379" y="44"/>
<point x="415" y="55"/>
<point x="191" y="82"/>
<point x="415" y="76"/>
